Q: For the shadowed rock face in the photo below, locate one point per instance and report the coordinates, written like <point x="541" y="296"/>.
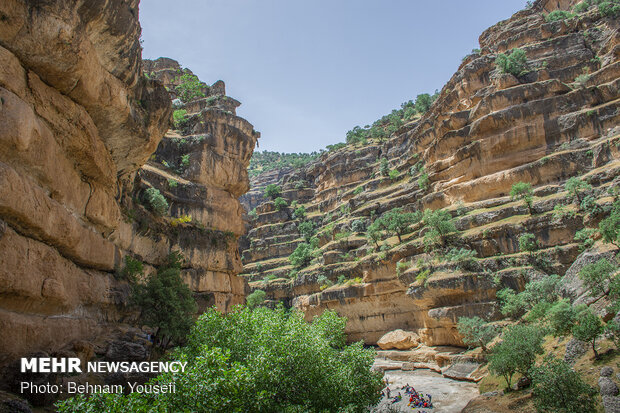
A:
<point x="78" y="123"/>
<point x="486" y="131"/>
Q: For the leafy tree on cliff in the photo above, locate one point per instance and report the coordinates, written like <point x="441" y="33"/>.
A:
<point x="190" y="87"/>
<point x="165" y="301"/>
<point x="476" y="331"/>
<point x="439" y="223"/>
<point x="257" y="360"/>
<point x="575" y="186"/>
<point x="524" y="192"/>
<point x="588" y="328"/>
<point x="610" y="226"/>
<point x="272" y="191"/>
<point x="256" y="298"/>
<point x="514" y="63"/>
<point x="398" y="222"/>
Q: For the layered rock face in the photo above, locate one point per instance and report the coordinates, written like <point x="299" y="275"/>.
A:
<point x="487" y="131"/>
<point x="78" y="122"/>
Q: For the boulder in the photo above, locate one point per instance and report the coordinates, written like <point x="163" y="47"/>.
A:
<point x="399" y="339"/>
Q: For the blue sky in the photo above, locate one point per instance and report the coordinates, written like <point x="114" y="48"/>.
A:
<point x="308" y="71"/>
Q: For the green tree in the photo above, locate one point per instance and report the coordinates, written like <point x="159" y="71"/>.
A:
<point x="574" y="186"/>
<point x="514" y="63"/>
<point x="272" y="191"/>
<point x="524" y="192"/>
<point x="384" y="168"/>
<point x="439" y="223"/>
<point x="423" y="103"/>
<point x="258" y="360"/>
<point x="517" y="352"/>
<point x="557" y="388"/>
<point x="511" y="304"/>
<point x="302" y="255"/>
<point x="189" y="88"/>
<point x="280" y="203"/>
<point x="561" y="316"/>
<point x="374" y="233"/>
<point x="307" y="230"/>
<point x="528" y="243"/>
<point x="165" y="301"/>
<point x="359" y="226"/>
<point x="558" y="15"/>
<point x="423" y="180"/>
<point x="300" y="212"/>
<point x="597" y="276"/>
<point x="588" y="328"/>
<point x="476" y="331"/>
<point x="398" y="222"/>
<point x="256" y="298"/>
<point x="610" y="226"/>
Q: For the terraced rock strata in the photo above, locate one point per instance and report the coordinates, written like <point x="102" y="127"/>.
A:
<point x="487" y="131"/>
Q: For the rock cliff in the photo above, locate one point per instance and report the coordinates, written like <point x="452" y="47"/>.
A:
<point x="83" y="135"/>
<point x="486" y="131"/>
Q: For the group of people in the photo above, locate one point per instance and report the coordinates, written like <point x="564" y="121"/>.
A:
<point x="416" y="400"/>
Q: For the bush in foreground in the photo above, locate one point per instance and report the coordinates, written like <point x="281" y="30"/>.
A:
<point x="258" y="361"/>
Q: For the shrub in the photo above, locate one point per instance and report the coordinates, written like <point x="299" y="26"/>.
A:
<point x="588" y="328"/>
<point x="358" y="190"/>
<point x="528" y="243"/>
<point x="280" y="203"/>
<point x="384" y="168"/>
<point x="517" y="352"/>
<point x="394" y="174"/>
<point x="258" y="360"/>
<point x="476" y="332"/>
<point x="189" y="88"/>
<point x="464" y="258"/>
<point x="423" y="181"/>
<point x="183" y="219"/>
<point x="132" y="269"/>
<point x="307" y="230"/>
<point x="582" y="7"/>
<point x="585" y="237"/>
<point x="172" y="183"/>
<point x="324" y="282"/>
<point x="179" y="117"/>
<point x="185" y="160"/>
<point x="596" y="276"/>
<point x="302" y="255"/>
<point x="342" y="279"/>
<point x="439" y="223"/>
<point x="300" y="212"/>
<point x="523" y="191"/>
<point x="253" y="214"/>
<point x="558" y="15"/>
<point x="359" y="226"/>
<point x="256" y="298"/>
<point x="423" y="276"/>
<point x="157" y="202"/>
<point x="272" y="191"/>
<point x="424" y="102"/>
<point x="557" y="388"/>
<point x="561" y="211"/>
<point x="609" y="8"/>
<point x="165" y="301"/>
<point x="511" y="304"/>
<point x="514" y="63"/>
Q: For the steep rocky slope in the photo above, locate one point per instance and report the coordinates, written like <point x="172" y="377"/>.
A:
<point x="486" y="131"/>
<point x="81" y="131"/>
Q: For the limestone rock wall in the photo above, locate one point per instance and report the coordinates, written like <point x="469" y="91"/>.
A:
<point x="486" y="131"/>
<point x="78" y="122"/>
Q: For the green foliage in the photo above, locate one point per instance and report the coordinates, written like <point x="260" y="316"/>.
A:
<point x="264" y="161"/>
<point x="528" y="243"/>
<point x="561" y="211"/>
<point x="558" y="15"/>
<point x="300" y="213"/>
<point x="613" y="329"/>
<point x="609" y="8"/>
<point x="557" y="388"/>
<point x="374" y="233"/>
<point x="302" y="255"/>
<point x="523" y="191"/>
<point x="512" y="305"/>
<point x="335" y="147"/>
<point x="253" y="214"/>
<point x="581" y="7"/>
<point x="574" y="186"/>
<point x="156" y="201"/>
<point x="165" y="301"/>
<point x="172" y="183"/>
<point x="359" y="226"/>
<point x="397" y="222"/>
<point x="132" y="269"/>
<point x="394" y="174"/>
<point x="256" y="298"/>
<point x="439" y="223"/>
<point x="610" y="226"/>
<point x="476" y="332"/>
<point x="517" y="352"/>
<point x="190" y="88"/>
<point x="280" y="203"/>
<point x="307" y="230"/>
<point x="272" y="191"/>
<point x="185" y="160"/>
<point x="561" y="317"/>
<point x="423" y="181"/>
<point x="358" y="190"/>
<point x="514" y="63"/>
<point x="585" y="237"/>
<point x="324" y="282"/>
<point x="258" y="360"/>
<point x="423" y="102"/>
<point x="464" y="258"/>
<point x="384" y="168"/>
<point x="588" y="328"/>
<point x="423" y="276"/>
<point x="597" y="276"/>
<point x="180" y="118"/>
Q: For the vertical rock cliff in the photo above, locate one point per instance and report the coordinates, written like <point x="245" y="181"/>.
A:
<point x="81" y="131"/>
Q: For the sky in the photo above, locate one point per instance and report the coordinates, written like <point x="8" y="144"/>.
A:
<point x="306" y="72"/>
